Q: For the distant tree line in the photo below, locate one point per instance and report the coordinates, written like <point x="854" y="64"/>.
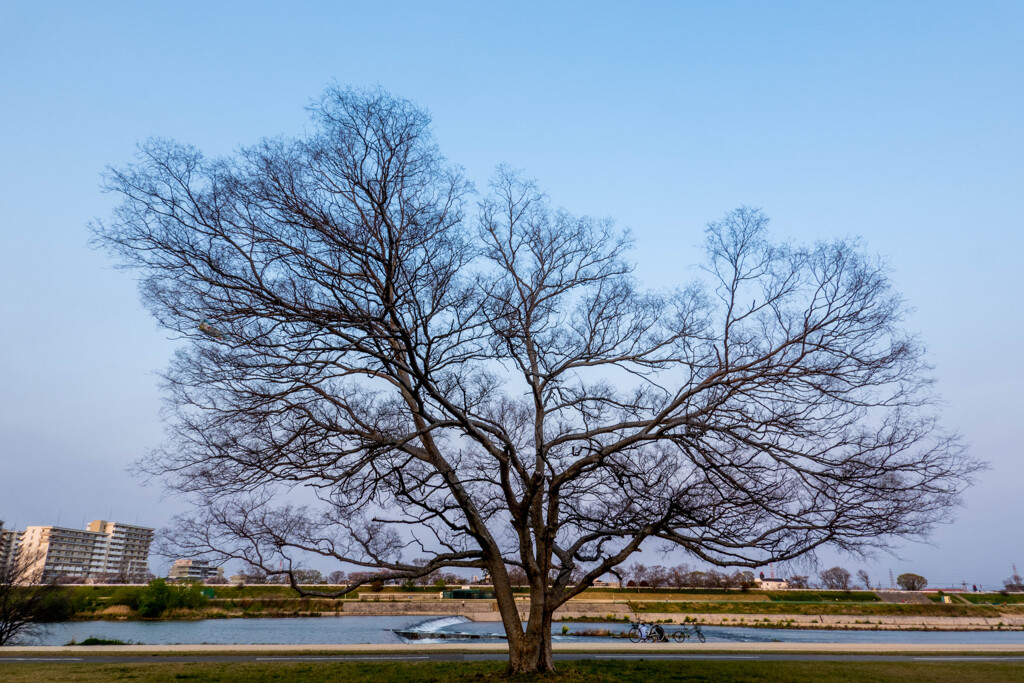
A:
<point x="636" y="575"/>
<point x="838" y="578"/>
<point x="339" y="577"/>
<point x="127" y="578"/>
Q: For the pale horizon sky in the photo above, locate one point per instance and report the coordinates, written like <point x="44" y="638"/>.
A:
<point x="899" y="122"/>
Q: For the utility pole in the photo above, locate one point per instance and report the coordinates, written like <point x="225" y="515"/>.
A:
<point x="892" y="582"/>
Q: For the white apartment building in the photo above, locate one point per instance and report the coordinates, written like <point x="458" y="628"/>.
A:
<point x="105" y="550"/>
<point x="198" y="570"/>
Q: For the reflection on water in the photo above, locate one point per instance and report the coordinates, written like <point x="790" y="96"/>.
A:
<point x="379" y="630"/>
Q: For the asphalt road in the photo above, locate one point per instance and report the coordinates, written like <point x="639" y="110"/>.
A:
<point x="456" y="657"/>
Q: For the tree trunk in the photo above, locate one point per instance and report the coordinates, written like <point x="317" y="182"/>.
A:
<point x="529" y="651"/>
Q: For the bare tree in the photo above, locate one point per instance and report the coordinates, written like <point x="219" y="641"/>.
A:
<point x="254" y="576"/>
<point x="1015" y="583"/>
<point x="657" y="576"/>
<point x="679" y="576"/>
<point x="864" y="578"/>
<point x="501" y="392"/>
<point x="517" y="577"/>
<point x="308" y="576"/>
<point x="836" y="578"/>
<point x="911" y="582"/>
<point x="742" y="579"/>
<point x="22" y="600"/>
<point x="701" y="579"/>
<point x="798" y="581"/>
<point x="636" y="574"/>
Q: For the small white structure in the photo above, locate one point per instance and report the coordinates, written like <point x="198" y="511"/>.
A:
<point x="772" y="584"/>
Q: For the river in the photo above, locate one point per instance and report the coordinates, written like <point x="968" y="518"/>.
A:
<point x="377" y="630"/>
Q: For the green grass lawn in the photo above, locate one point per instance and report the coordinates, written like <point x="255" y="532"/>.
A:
<point x="823" y="596"/>
<point x="995" y="598"/>
<point x="439" y="672"/>
<point x="835" y="608"/>
<point x="88" y="602"/>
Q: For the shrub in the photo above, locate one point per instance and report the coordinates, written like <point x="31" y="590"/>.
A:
<point x="55" y="605"/>
<point x="154" y="599"/>
<point x="126" y="596"/>
<point x="82" y="602"/>
<point x="102" y="641"/>
<point x="158" y="597"/>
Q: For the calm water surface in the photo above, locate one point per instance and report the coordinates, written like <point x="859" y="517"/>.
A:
<point x="378" y="630"/>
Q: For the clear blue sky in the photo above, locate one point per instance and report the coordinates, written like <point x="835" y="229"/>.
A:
<point x="897" y="121"/>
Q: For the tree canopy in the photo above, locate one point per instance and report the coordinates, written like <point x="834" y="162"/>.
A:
<point x="911" y="582"/>
<point x="493" y="387"/>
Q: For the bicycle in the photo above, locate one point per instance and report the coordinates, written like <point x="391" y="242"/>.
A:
<point x="647" y="632"/>
<point x="688" y="632"/>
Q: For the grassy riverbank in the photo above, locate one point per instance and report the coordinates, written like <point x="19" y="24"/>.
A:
<point x="830" y="608"/>
<point x="129" y="603"/>
<point x="596" y="671"/>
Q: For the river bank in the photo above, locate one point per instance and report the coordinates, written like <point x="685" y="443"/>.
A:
<point x="356" y="630"/>
<point x="790" y="609"/>
<point x="899" y="617"/>
<point x="617" y="614"/>
<point x="840" y="622"/>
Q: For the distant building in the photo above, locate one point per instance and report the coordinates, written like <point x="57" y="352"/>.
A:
<point x="10" y="544"/>
<point x="198" y="570"/>
<point x="772" y="584"/>
<point x="104" y="551"/>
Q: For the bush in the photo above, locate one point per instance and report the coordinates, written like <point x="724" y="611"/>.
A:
<point x="82" y="602"/>
<point x="102" y="641"/>
<point x="126" y="596"/>
<point x="154" y="599"/>
<point x="158" y="597"/>
<point x="55" y="605"/>
<point x="188" y="596"/>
